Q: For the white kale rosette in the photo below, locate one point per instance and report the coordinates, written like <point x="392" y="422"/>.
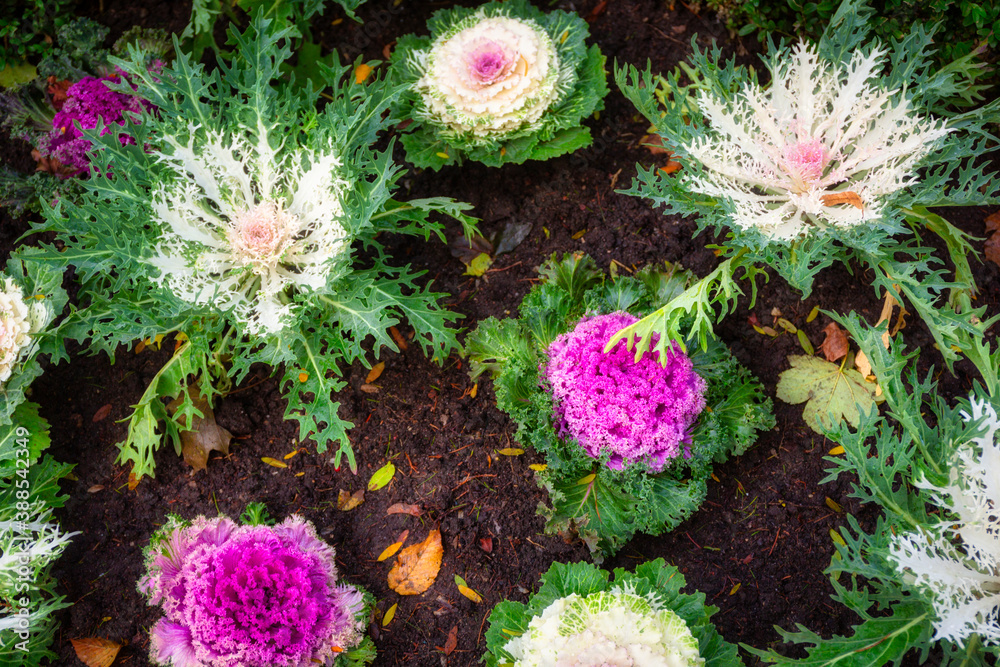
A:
<point x="501" y="83"/>
<point x="580" y="618"/>
<point x="955" y="562"/>
<point x="822" y="146"/>
<point x="243" y="228"/>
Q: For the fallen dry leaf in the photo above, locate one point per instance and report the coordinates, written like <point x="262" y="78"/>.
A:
<point x="391" y="550"/>
<point x="389" y="615"/>
<point x="835" y="345"/>
<point x="486" y="544"/>
<point x="848" y="197"/>
<point x="654" y="144"/>
<point x="133" y="481"/>
<point x="273" y="462"/>
<point x="452" y="642"/>
<point x="348" y="501"/>
<point x="403" y="508"/>
<point x="96" y="652"/>
<point x="375" y="372"/>
<point x="992" y="248"/>
<point x="471" y="594"/>
<point x="202" y="434"/>
<point x="95" y="488"/>
<point x="57" y="91"/>
<point x="400" y="341"/>
<point x="369" y="388"/>
<point x="862" y="364"/>
<point x="102" y="413"/>
<point x="361" y="73"/>
<point x="417" y="566"/>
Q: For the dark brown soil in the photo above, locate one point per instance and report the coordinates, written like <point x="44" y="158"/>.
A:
<point x="758" y="546"/>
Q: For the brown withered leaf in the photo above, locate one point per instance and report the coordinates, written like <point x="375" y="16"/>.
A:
<point x="102" y="413"/>
<point x="202" y="435"/>
<point x="452" y="642"/>
<point x="417" y="566"/>
<point x="486" y="544"/>
<point x="375" y="372"/>
<point x="403" y="508"/>
<point x="51" y="165"/>
<point x="96" y="652"/>
<point x="835" y="345"/>
<point x="348" y="501"/>
<point x="400" y="341"/>
<point x="992" y="247"/>
<point x="57" y="91"/>
<point x="654" y="144"/>
<point x="835" y="198"/>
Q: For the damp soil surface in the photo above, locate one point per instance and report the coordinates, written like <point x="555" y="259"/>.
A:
<point x="758" y="546"/>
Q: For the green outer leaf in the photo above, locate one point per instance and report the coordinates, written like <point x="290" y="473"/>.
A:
<point x="26" y="424"/>
<point x="875" y="642"/>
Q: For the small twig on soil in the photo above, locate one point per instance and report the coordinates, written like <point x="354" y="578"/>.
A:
<point x="469" y="479"/>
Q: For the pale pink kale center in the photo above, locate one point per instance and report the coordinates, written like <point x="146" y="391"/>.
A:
<point x="259" y="235"/>
<point x="488" y="62"/>
<point x="636" y="411"/>
<point x="806" y="160"/>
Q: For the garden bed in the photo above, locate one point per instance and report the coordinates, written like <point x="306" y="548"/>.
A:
<point x="758" y="546"/>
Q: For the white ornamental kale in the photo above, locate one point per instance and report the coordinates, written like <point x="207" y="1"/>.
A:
<point x="243" y="225"/>
<point x="614" y="628"/>
<point x="18" y="322"/>
<point x="488" y="77"/>
<point x="821" y="146"/>
<point x="956" y="562"/>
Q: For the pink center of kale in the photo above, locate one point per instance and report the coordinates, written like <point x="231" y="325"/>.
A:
<point x="609" y="403"/>
<point x="488" y="62"/>
<point x="259" y="234"/>
<point x="806" y="160"/>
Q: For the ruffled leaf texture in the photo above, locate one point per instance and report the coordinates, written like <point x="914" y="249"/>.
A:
<point x="248" y="596"/>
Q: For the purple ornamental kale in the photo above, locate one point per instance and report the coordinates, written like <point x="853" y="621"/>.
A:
<point x="608" y="402"/>
<point x="248" y="596"/>
<point x="86" y="100"/>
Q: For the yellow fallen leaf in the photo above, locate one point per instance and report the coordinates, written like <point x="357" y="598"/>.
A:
<point x="834" y="505"/>
<point x="586" y="480"/>
<point x="471" y="594"/>
<point x="417" y="566"/>
<point x="348" y="501"/>
<point x="299" y="474"/>
<point x="812" y="314"/>
<point x="579" y="235"/>
<point x="474" y="390"/>
<point x="390" y="551"/>
<point x="96" y="652"/>
<point x="375" y="372"/>
<point x="735" y="588"/>
<point x="442" y="155"/>
<point x="510" y="451"/>
<point x="290" y="454"/>
<point x="538" y="467"/>
<point x="862" y="364"/>
<point x="361" y="73"/>
<point x="389" y="615"/>
<point x="273" y="462"/>
<point x="836" y="451"/>
<point x="836" y="537"/>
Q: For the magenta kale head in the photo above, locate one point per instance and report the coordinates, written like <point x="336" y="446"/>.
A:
<point x="87" y="100"/>
<point x="248" y="596"/>
<point x="636" y="411"/>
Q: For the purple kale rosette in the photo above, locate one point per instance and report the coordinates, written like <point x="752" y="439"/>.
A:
<point x="248" y="596"/>
<point x="87" y="101"/>
<point x="610" y="403"/>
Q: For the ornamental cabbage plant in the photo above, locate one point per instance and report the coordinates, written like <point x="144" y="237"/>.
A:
<point x="836" y="159"/>
<point x="503" y="82"/>
<point x="242" y="224"/>
<point x="923" y="579"/>
<point x="956" y="562"/>
<point x="580" y="617"/>
<point x="251" y="596"/>
<point x="628" y="445"/>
